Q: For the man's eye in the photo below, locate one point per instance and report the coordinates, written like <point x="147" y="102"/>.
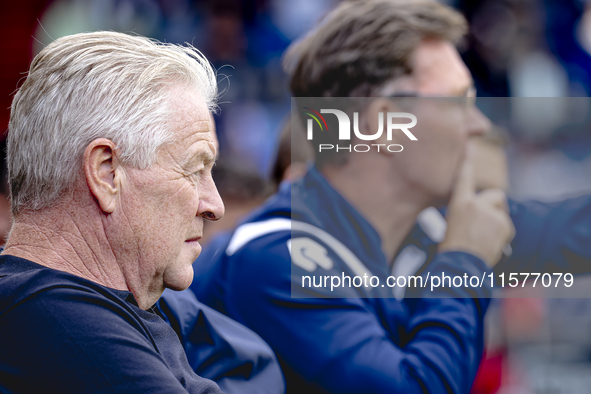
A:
<point x="203" y="170"/>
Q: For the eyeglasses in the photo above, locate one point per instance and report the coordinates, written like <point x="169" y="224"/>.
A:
<point x="466" y="100"/>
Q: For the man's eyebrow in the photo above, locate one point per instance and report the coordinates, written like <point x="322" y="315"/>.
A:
<point x="204" y="154"/>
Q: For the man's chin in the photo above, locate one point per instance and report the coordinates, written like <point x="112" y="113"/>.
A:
<point x="179" y="275"/>
<point x="180" y="281"/>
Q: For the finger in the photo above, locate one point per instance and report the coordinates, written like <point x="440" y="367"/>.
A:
<point x="464" y="184"/>
<point x="508" y="227"/>
<point x="512" y="232"/>
<point x="494" y="197"/>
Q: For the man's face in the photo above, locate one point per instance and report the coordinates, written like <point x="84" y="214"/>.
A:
<point x="163" y="207"/>
<point x="430" y="164"/>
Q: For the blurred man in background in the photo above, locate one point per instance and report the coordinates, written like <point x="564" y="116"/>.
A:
<point x="382" y="344"/>
<point x="375" y="205"/>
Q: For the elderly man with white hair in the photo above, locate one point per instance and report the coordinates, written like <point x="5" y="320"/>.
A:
<point x="110" y="152"/>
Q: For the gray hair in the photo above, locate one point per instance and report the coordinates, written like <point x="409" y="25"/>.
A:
<point x="95" y="85"/>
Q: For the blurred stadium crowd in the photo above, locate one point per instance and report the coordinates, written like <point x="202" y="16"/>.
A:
<point x="516" y="48"/>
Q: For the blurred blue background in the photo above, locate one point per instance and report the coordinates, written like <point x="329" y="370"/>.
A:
<point x="516" y="48"/>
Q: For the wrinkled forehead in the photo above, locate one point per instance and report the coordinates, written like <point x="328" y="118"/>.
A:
<point x="192" y="122"/>
<point x="187" y="106"/>
<point x="190" y="113"/>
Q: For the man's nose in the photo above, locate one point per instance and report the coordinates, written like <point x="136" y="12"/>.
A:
<point x="477" y="122"/>
<point x="211" y="206"/>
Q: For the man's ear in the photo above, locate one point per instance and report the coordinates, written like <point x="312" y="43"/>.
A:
<point x="101" y="171"/>
<point x="385" y="106"/>
<point x="377" y="109"/>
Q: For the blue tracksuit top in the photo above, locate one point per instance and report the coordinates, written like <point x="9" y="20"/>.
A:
<point x="362" y="343"/>
<point x="219" y="348"/>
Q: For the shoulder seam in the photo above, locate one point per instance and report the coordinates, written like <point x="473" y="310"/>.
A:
<point x="250" y="231"/>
